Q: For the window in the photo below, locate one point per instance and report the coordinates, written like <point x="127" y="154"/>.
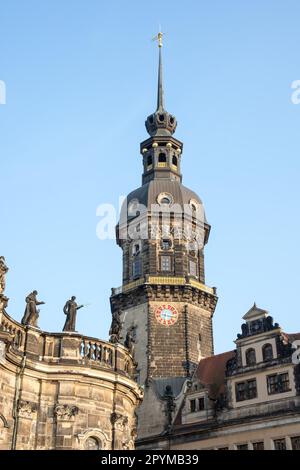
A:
<point x="136" y="249"/>
<point x="192" y="268"/>
<point x="174" y="160"/>
<point x="250" y="357"/>
<point x="166" y="244"/>
<point x="258" y="445"/>
<point x="279" y="444"/>
<point x="278" y="383"/>
<point x="246" y="390"/>
<point x="149" y="160"/>
<point x="201" y="404"/>
<point x="162" y="158"/>
<point x="267" y="351"/>
<point x="165" y="263"/>
<point x="242" y="447"/>
<point x="295" y="442"/>
<point x="165" y="198"/>
<point x="137" y="267"/>
<point x="193" y="406"/>
<point x="197" y="404"/>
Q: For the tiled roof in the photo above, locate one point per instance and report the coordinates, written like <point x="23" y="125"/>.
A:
<point x="211" y="372"/>
<point x="292" y="336"/>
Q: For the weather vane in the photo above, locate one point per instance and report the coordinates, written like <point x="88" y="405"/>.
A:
<point x="158" y="38"/>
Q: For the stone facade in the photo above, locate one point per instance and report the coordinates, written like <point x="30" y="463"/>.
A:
<point x="162" y="232"/>
<point x="248" y="398"/>
<point x="64" y="391"/>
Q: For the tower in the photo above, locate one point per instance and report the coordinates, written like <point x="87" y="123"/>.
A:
<point x="164" y="306"/>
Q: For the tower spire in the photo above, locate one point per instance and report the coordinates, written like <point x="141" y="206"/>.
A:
<point x="160" y="90"/>
<point x="160" y="122"/>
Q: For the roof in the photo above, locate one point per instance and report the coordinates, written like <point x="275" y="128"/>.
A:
<point x="255" y="313"/>
<point x="147" y="194"/>
<point x="292" y="336"/>
<point x="211" y="372"/>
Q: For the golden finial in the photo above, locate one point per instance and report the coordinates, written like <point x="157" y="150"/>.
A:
<point x="158" y="38"/>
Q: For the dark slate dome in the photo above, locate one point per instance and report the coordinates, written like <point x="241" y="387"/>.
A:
<point x="150" y="193"/>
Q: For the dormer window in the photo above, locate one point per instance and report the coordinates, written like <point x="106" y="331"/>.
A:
<point x="267" y="352"/>
<point x="197" y="404"/>
<point x="250" y="357"/>
<point x="165" y="198"/>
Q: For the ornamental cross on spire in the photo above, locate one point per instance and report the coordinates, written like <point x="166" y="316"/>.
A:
<point x="159" y="38"/>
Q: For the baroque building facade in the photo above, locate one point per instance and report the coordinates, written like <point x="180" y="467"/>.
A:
<point x="157" y="377"/>
<point x="64" y="390"/>
<point x="246" y="398"/>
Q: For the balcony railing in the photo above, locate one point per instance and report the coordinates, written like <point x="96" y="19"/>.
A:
<point x="164" y="280"/>
<point x="59" y="348"/>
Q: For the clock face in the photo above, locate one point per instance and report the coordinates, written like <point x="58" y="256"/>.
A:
<point x="166" y="315"/>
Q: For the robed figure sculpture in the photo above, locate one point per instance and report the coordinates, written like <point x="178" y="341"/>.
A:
<point x="70" y="309"/>
<point x="31" y="313"/>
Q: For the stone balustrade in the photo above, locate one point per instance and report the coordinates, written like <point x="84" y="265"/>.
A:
<point x="65" y="348"/>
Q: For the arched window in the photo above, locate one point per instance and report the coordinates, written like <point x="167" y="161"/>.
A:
<point x="250" y="357"/>
<point x="149" y="160"/>
<point x="162" y="158"/>
<point x="174" y="160"/>
<point x="267" y="352"/>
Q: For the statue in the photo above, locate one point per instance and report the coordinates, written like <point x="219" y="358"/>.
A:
<point x="130" y="339"/>
<point x="70" y="309"/>
<point x="115" y="327"/>
<point x="3" y="271"/>
<point x="31" y="314"/>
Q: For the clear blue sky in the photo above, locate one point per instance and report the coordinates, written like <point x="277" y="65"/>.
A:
<point x="81" y="78"/>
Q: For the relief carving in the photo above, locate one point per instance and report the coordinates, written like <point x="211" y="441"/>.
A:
<point x="26" y="408"/>
<point x="65" y="411"/>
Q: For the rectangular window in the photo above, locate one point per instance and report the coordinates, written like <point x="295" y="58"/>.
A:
<point x="279" y="444"/>
<point x="258" y="445"/>
<point x="193" y="406"/>
<point x="165" y="263"/>
<point x="137" y="268"/>
<point x="295" y="442"/>
<point x="242" y="447"/>
<point x="201" y="404"/>
<point x="252" y="392"/>
<point x="278" y="383"/>
<point x="193" y="268"/>
<point x="246" y="390"/>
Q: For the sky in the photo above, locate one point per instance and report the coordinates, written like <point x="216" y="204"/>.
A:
<point x="80" y="79"/>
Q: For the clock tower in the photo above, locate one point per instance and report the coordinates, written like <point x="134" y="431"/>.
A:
<point x="164" y="307"/>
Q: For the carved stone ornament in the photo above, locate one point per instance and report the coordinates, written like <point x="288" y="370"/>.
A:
<point x="26" y="408"/>
<point x="65" y="411"/>
<point x="119" y="421"/>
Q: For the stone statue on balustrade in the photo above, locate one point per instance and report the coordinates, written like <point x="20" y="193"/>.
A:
<point x="3" y="271"/>
<point x="115" y="327"/>
<point x="31" y="313"/>
<point x="70" y="309"/>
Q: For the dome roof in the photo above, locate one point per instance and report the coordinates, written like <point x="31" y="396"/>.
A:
<point x="151" y="192"/>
